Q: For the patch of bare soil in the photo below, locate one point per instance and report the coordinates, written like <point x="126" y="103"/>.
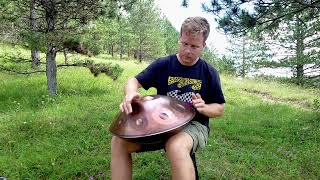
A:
<point x="269" y="98"/>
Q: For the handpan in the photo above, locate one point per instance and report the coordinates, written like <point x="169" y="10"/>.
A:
<point x="154" y="118"/>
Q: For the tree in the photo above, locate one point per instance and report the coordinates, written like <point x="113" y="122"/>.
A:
<point x="104" y="34"/>
<point x="55" y="21"/>
<point x="267" y="18"/>
<point x="239" y="16"/>
<point x="35" y="53"/>
<point x="56" y="17"/>
<point x="246" y="53"/>
<point x="299" y="41"/>
<point x="8" y="17"/>
<point x="148" y="37"/>
<point x="171" y="37"/>
<point x="226" y="65"/>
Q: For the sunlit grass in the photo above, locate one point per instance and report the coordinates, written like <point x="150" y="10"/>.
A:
<point x="275" y="91"/>
<point x="66" y="137"/>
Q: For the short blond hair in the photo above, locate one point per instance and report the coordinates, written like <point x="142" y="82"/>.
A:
<point x="196" y="25"/>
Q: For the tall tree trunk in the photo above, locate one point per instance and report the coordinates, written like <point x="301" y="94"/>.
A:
<point x="140" y="54"/>
<point x="299" y="51"/>
<point x="51" y="70"/>
<point x="35" y="54"/>
<point x="65" y="52"/>
<point x="121" y="47"/>
<point x="112" y="47"/>
<point x="243" y="69"/>
<point x="51" y="67"/>
<point x="140" y="49"/>
<point x="109" y="48"/>
<point x="128" y="49"/>
<point x="121" y="37"/>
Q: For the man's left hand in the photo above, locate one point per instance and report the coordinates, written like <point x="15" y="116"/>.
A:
<point x="198" y="102"/>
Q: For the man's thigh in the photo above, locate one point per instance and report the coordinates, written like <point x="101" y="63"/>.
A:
<point x="199" y="134"/>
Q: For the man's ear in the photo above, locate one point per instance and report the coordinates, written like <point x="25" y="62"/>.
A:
<point x="204" y="44"/>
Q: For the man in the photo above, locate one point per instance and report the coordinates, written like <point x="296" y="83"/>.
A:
<point x="188" y="78"/>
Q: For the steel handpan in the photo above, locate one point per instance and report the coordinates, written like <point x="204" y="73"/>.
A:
<point x="153" y="119"/>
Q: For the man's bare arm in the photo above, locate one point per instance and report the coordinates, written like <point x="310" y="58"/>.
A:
<point x="131" y="92"/>
<point x="210" y="110"/>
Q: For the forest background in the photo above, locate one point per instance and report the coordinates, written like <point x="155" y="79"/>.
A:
<point x="54" y="114"/>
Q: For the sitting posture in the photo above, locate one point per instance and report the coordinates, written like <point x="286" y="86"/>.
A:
<point x="188" y="78"/>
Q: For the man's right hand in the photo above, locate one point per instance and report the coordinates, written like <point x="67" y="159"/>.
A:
<point x="125" y="106"/>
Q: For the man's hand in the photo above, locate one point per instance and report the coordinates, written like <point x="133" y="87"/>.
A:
<point x="125" y="106"/>
<point x="210" y="110"/>
<point x="198" y="103"/>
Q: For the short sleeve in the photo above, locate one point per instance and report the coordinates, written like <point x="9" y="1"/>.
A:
<point x="149" y="76"/>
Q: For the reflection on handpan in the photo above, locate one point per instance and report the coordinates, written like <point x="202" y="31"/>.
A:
<point x="152" y="116"/>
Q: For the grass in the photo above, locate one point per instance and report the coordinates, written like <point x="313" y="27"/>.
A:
<point x="67" y="137"/>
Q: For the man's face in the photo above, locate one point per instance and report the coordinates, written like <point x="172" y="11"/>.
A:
<point x="190" y="48"/>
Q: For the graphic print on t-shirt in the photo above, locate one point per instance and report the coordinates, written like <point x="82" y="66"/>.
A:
<point x="182" y="88"/>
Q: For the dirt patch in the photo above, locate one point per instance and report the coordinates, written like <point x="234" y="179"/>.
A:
<point x="290" y="101"/>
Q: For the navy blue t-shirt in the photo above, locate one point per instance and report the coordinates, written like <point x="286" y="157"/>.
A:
<point x="173" y="79"/>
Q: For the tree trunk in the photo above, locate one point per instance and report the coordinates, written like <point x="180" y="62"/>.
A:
<point x="51" y="67"/>
<point x="128" y="49"/>
<point x="140" y="54"/>
<point x="243" y="69"/>
<point x="121" y="39"/>
<point x="51" y="70"/>
<point x="65" y="55"/>
<point x="121" y="47"/>
<point x="299" y="51"/>
<point x="112" y="50"/>
<point x="140" y="50"/>
<point x="35" y="54"/>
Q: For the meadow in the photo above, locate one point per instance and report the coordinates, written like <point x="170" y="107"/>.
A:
<point x="268" y="131"/>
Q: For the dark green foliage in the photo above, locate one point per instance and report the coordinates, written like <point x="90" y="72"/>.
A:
<point x="113" y="71"/>
<point x="171" y="36"/>
<point x="223" y="65"/>
<point x="239" y="16"/>
<point x="316" y="104"/>
<point x="148" y="41"/>
<point x="226" y="65"/>
<point x="288" y="27"/>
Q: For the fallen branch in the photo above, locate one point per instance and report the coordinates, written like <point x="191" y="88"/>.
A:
<point x="113" y="71"/>
<point x="2" y="68"/>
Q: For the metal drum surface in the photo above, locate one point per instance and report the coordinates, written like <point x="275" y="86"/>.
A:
<point x="154" y="117"/>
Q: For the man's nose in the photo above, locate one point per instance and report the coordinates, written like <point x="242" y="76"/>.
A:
<point x="188" y="49"/>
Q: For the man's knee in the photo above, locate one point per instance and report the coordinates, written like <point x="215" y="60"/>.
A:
<point x="121" y="145"/>
<point x="179" y="145"/>
<point x="116" y="142"/>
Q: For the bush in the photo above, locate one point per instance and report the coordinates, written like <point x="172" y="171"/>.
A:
<point x="316" y="104"/>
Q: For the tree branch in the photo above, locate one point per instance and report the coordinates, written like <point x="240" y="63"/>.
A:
<point x="2" y="68"/>
<point x="281" y="16"/>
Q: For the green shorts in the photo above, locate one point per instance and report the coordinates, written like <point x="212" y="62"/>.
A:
<point x="197" y="131"/>
<point x="199" y="134"/>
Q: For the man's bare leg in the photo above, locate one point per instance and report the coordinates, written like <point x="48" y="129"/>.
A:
<point x="121" y="161"/>
<point x="178" y="149"/>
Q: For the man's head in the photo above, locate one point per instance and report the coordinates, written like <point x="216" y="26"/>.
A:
<point x="193" y="35"/>
<point x="196" y="26"/>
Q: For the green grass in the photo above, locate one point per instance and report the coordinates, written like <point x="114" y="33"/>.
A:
<point x="67" y="137"/>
